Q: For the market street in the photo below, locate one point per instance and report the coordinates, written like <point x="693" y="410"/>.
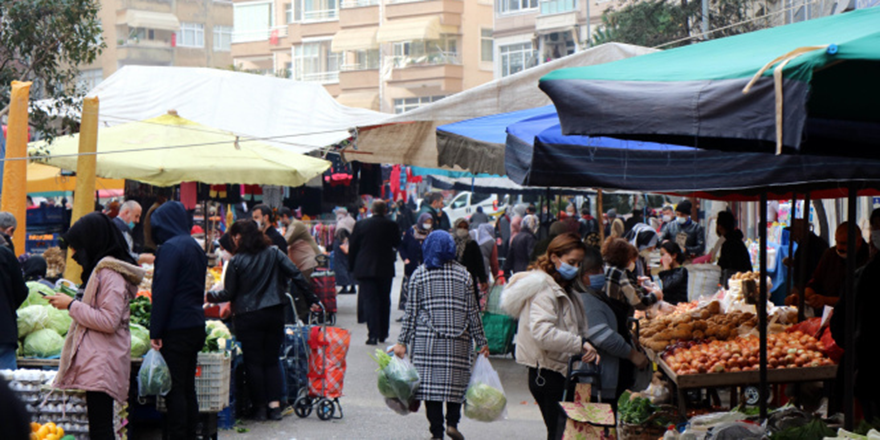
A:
<point x="367" y="417"/>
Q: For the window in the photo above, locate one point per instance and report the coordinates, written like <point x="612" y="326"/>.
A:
<point x="460" y="202"/>
<point x="512" y="6"/>
<point x="515" y="58"/>
<point x="89" y="79"/>
<point x="558" y="6"/>
<point x="315" y="62"/>
<point x="253" y="21"/>
<point x="288" y="13"/>
<point x="317" y="10"/>
<point x="223" y="38"/>
<point x="426" y="52"/>
<point x="486" y="45"/>
<point x="407" y="104"/>
<point x="191" y="35"/>
<point x="361" y="60"/>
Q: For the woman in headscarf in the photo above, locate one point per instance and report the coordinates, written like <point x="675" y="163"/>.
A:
<point x="489" y="249"/>
<point x="97" y="351"/>
<point x="467" y="252"/>
<point x="522" y="246"/>
<point x="442" y="324"/>
<point x="340" y="261"/>
<point x="410" y="251"/>
<point x="645" y="239"/>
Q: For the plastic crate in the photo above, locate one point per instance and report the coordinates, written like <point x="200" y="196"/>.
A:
<point x="45" y="215"/>
<point x="212" y="383"/>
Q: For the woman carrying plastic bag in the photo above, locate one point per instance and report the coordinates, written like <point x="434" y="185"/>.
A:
<point x="485" y="399"/>
<point x="442" y="323"/>
<point x="397" y="382"/>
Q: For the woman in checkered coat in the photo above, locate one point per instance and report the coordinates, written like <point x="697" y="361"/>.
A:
<point x="442" y="323"/>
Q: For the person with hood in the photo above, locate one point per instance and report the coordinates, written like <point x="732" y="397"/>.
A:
<point x="521" y="247"/>
<point x="13" y="292"/>
<point x="552" y="323"/>
<point x="8" y="223"/>
<point x="301" y="247"/>
<point x="406" y="218"/>
<point x="607" y="330"/>
<point x="410" y="251"/>
<point x="177" y="321"/>
<point x="486" y="242"/>
<point x="734" y="255"/>
<point x="479" y="218"/>
<point x="467" y="252"/>
<point x="344" y="220"/>
<point x="97" y="351"/>
<point x="256" y="284"/>
<point x="443" y="325"/>
<point x="685" y="232"/>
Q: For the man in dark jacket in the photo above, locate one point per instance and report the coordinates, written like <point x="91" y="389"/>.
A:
<point x="502" y="231"/>
<point x="734" y="256"/>
<point x="685" y="232"/>
<point x="177" y="324"/>
<point x="371" y="258"/>
<point x="433" y="204"/>
<point x="828" y="283"/>
<point x="587" y="223"/>
<point x="265" y="218"/>
<point x="13" y="292"/>
<point x="478" y="218"/>
<point x="7" y="229"/>
<point x="810" y="247"/>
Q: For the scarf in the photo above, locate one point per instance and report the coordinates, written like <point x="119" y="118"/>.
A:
<point x="438" y="249"/>
<point x="94" y="237"/>
<point x="461" y="239"/>
<point x="419" y="233"/>
<point x="531" y="223"/>
<point x="485" y="233"/>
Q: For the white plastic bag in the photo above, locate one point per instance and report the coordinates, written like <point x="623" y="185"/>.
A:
<point x="154" y="378"/>
<point x="485" y="399"/>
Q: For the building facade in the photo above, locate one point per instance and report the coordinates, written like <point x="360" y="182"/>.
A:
<point x="385" y="55"/>
<point x="187" y="33"/>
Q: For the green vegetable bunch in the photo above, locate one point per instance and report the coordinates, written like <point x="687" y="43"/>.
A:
<point x="634" y="409"/>
<point x="484" y="403"/>
<point x="397" y="379"/>
<point x="815" y="430"/>
<point x="140" y="311"/>
<point x="214" y="331"/>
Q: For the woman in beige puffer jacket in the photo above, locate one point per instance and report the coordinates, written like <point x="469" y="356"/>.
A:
<point x="552" y="323"/>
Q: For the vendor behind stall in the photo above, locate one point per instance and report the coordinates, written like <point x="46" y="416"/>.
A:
<point x="685" y="231"/>
<point x="809" y="246"/>
<point x="828" y="283"/>
<point x="734" y="256"/>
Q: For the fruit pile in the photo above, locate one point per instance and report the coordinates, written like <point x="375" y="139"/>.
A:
<point x="784" y="350"/>
<point x="48" y="431"/>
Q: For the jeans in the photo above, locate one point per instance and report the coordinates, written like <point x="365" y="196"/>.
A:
<point x="547" y="387"/>
<point x="376" y="294"/>
<point x="434" y="411"/>
<point x="180" y="348"/>
<point x="7" y="356"/>
<point x="261" y="333"/>
<point x="100" y="414"/>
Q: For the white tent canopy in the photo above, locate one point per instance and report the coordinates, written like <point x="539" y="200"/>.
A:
<point x="409" y="138"/>
<point x="296" y="116"/>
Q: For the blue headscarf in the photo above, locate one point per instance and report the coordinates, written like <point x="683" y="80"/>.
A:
<point x="438" y="249"/>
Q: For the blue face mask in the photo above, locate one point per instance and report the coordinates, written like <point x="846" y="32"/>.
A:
<point x="567" y="271"/>
<point x="597" y="281"/>
<point x="131" y="225"/>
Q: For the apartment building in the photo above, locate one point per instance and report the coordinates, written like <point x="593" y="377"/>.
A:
<point x="188" y="33"/>
<point x="385" y="55"/>
<point x="531" y="32"/>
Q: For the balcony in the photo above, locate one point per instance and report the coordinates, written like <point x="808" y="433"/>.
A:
<point x="145" y="52"/>
<point x="449" y="9"/>
<point x="348" y="4"/>
<point x="550" y="7"/>
<point x="367" y="15"/>
<point x="556" y="22"/>
<point x="444" y="77"/>
<point x="428" y="59"/>
<point x="355" y="77"/>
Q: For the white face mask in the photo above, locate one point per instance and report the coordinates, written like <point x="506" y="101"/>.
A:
<point x="681" y="220"/>
<point x="426" y="226"/>
<point x="461" y="233"/>
<point x="875" y="239"/>
<point x="667" y="218"/>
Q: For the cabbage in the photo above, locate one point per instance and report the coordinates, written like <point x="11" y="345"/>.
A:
<point x="140" y="331"/>
<point x="484" y="403"/>
<point x="32" y="318"/>
<point x="139" y="347"/>
<point x="35" y="298"/>
<point x="59" y="320"/>
<point x="217" y="329"/>
<point x="43" y="344"/>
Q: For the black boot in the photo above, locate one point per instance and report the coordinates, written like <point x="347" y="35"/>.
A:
<point x="275" y="413"/>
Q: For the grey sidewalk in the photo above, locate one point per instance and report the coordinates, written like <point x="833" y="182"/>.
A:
<point x="367" y="417"/>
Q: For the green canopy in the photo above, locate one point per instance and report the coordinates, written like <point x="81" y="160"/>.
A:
<point x="829" y="82"/>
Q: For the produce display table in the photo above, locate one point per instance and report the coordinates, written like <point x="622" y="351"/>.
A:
<point x="53" y="363"/>
<point x="739" y="379"/>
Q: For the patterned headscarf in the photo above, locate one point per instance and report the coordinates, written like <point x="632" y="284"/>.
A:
<point x="531" y="223"/>
<point x="438" y="249"/>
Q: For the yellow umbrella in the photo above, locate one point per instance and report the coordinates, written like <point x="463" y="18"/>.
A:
<point x="168" y="150"/>
<point x="44" y="178"/>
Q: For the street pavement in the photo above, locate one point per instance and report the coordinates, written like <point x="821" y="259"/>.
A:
<point x="365" y="414"/>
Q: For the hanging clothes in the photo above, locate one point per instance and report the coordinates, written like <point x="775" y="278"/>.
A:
<point x="189" y="195"/>
<point x="272" y="196"/>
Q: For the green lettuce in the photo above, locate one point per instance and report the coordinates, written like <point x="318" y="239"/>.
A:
<point x="43" y="344"/>
<point x="484" y="403"/>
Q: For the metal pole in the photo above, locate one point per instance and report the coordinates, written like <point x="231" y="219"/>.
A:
<point x="805" y="249"/>
<point x="600" y="215"/>
<point x="705" y="27"/>
<point x="792" y="215"/>
<point x="849" y="357"/>
<point x="762" y="308"/>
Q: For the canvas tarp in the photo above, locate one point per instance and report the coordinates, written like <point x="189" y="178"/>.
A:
<point x="292" y="115"/>
<point x="410" y="139"/>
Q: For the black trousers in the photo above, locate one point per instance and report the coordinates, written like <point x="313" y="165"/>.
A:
<point x="180" y="348"/>
<point x="547" y="387"/>
<point x="100" y="413"/>
<point x="376" y="294"/>
<point x="261" y="333"/>
<point x="434" y="411"/>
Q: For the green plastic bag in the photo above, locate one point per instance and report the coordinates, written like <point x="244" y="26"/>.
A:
<point x="499" y="331"/>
